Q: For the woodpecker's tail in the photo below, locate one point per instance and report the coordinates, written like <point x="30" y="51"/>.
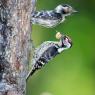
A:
<point x="30" y="74"/>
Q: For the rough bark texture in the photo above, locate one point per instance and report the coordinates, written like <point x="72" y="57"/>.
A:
<point x="15" y="35"/>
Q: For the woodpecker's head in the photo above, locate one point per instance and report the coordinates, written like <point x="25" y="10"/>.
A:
<point x="65" y="41"/>
<point x="65" y="9"/>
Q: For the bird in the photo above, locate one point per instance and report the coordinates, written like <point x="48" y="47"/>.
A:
<point x="48" y="50"/>
<point x="51" y="18"/>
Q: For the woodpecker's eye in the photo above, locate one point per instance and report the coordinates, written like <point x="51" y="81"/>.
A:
<point x="65" y="37"/>
<point x="63" y="11"/>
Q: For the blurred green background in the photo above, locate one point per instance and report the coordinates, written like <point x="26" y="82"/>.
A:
<point x="73" y="71"/>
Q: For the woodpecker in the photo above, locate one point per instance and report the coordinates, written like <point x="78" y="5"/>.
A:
<point x="52" y="18"/>
<point x="48" y="50"/>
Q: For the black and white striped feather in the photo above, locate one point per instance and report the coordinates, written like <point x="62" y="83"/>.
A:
<point x="47" y="19"/>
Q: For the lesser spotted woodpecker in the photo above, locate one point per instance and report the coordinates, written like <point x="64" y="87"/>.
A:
<point x="52" y="18"/>
<point x="48" y="50"/>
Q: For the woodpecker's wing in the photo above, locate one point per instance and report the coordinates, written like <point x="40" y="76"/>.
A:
<point x="44" y="53"/>
<point x="51" y="15"/>
<point x="42" y="48"/>
<point x="46" y="18"/>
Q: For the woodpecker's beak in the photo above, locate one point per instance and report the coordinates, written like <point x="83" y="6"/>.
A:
<point x="74" y="11"/>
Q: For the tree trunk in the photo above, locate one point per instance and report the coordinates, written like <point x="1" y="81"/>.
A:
<point x="15" y="45"/>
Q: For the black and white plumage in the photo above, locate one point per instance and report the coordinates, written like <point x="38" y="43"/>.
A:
<point x="47" y="51"/>
<point x="52" y="18"/>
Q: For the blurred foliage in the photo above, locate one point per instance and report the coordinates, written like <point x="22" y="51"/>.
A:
<point x="73" y="71"/>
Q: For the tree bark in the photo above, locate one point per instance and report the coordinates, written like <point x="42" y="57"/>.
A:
<point x="15" y="45"/>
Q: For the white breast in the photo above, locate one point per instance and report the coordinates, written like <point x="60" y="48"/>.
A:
<point x="60" y="50"/>
<point x="46" y="23"/>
